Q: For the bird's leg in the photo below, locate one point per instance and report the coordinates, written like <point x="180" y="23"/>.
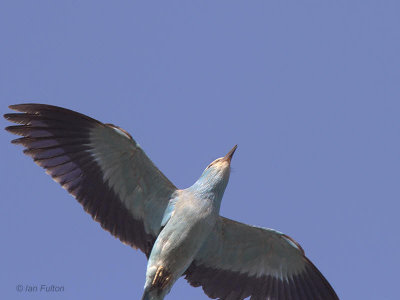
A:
<point x="161" y="278"/>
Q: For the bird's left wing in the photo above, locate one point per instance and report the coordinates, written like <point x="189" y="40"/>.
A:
<point x="239" y="261"/>
<point x="101" y="165"/>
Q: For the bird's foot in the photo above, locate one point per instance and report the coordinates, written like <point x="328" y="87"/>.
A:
<point x="161" y="278"/>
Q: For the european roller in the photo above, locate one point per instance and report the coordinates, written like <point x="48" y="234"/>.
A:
<point x="179" y="230"/>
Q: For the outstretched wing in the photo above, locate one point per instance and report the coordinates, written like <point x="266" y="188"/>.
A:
<point x="101" y="165"/>
<point x="239" y="261"/>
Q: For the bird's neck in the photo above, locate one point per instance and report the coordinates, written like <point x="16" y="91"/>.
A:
<point x="210" y="188"/>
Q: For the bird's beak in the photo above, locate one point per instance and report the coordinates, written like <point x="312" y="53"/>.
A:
<point x="229" y="155"/>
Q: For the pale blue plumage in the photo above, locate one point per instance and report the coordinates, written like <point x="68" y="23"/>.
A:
<point x="195" y="212"/>
<point x="143" y="190"/>
<point x="179" y="230"/>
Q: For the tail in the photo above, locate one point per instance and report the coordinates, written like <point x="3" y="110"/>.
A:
<point x="152" y="294"/>
<point x="146" y="295"/>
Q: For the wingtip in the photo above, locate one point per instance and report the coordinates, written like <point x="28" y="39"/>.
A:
<point x="8" y="129"/>
<point x="23" y="107"/>
<point x="17" y="141"/>
<point x="17" y="107"/>
<point x="7" y="116"/>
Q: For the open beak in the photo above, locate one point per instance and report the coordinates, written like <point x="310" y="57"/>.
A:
<point x="229" y="155"/>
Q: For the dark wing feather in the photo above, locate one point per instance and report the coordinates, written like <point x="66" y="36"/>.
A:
<point x="100" y="165"/>
<point x="239" y="261"/>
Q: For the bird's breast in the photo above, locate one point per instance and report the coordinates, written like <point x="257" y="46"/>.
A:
<point x="191" y="222"/>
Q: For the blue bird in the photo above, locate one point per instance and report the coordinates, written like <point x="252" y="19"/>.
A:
<point x="179" y="230"/>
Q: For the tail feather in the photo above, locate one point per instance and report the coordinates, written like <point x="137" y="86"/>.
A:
<point x="152" y="294"/>
<point x="146" y="295"/>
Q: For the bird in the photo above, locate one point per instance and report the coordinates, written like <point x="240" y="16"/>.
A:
<point x="179" y="230"/>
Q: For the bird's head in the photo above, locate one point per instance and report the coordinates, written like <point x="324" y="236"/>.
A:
<point x="216" y="176"/>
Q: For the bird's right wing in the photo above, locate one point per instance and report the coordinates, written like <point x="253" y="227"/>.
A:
<point x="239" y="261"/>
<point x="101" y="166"/>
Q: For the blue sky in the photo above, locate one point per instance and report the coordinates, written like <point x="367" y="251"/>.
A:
<point x="309" y="90"/>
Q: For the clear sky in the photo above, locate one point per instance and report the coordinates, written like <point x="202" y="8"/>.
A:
<point x="309" y="90"/>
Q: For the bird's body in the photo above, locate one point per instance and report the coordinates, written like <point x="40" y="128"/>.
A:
<point x="179" y="230"/>
<point x="193" y="215"/>
<point x="177" y="245"/>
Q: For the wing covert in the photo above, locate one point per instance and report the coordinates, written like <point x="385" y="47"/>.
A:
<point x="100" y="165"/>
<point x="239" y="261"/>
